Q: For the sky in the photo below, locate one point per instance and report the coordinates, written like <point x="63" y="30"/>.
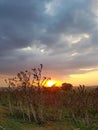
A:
<point x="60" y="34"/>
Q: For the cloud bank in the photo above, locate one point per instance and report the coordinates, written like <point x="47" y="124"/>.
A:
<point x="61" y="34"/>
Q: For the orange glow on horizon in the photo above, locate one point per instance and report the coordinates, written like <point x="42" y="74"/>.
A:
<point x="88" y="79"/>
<point x="50" y="83"/>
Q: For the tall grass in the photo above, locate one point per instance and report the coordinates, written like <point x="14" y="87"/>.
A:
<point x="28" y="99"/>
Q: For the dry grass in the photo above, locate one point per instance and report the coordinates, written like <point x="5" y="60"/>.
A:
<point x="10" y="124"/>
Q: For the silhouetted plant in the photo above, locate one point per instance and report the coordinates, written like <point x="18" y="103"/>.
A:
<point x="27" y="95"/>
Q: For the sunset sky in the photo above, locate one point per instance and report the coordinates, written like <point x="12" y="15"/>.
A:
<point x="60" y="34"/>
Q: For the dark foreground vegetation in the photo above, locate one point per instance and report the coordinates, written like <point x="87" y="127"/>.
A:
<point x="29" y="102"/>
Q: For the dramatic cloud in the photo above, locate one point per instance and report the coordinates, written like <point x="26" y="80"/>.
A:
<point x="61" y="34"/>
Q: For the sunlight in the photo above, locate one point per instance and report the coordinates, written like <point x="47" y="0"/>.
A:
<point x="42" y="50"/>
<point x="51" y="83"/>
<point x="85" y="78"/>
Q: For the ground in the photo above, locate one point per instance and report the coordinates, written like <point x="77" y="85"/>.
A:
<point x="9" y="123"/>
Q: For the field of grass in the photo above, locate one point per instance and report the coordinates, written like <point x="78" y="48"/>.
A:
<point x="26" y="106"/>
<point x="7" y="122"/>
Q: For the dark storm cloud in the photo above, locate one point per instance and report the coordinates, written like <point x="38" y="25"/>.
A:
<point x="19" y="23"/>
<point x="61" y="34"/>
<point x="72" y="15"/>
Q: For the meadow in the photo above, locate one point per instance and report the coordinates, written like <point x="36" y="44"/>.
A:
<point x="27" y="104"/>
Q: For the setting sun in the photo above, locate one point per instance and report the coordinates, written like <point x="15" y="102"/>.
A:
<point x="51" y="83"/>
